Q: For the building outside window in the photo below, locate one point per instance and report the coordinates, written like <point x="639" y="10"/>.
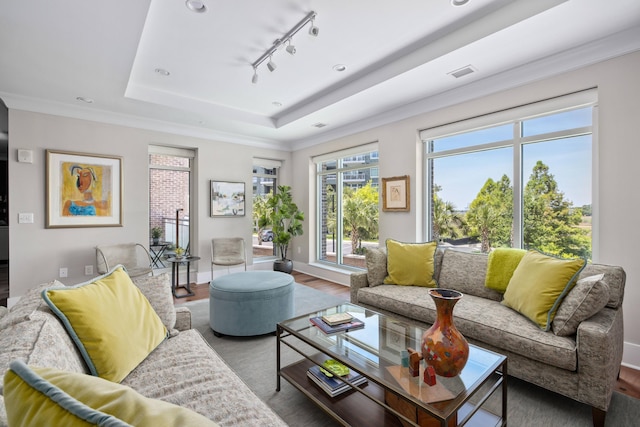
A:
<point x="347" y="205"/>
<point x="520" y="178"/>
<point x="265" y="182"/>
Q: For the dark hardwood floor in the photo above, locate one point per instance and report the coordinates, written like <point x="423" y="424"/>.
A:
<point x="628" y="383"/>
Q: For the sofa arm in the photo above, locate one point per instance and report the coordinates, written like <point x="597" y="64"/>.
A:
<point x="357" y="281"/>
<point x="183" y="318"/>
<point x="600" y="342"/>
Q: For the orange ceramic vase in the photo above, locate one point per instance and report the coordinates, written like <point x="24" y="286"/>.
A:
<point x="443" y="346"/>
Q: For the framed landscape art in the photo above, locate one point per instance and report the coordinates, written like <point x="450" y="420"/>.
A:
<point x="227" y="198"/>
<point x="83" y="190"/>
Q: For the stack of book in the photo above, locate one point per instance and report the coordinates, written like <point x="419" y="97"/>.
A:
<point x="338" y="322"/>
<point x="333" y="385"/>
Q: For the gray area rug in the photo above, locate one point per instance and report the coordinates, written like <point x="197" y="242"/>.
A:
<point x="254" y="360"/>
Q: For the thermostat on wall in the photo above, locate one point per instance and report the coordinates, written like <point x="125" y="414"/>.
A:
<point x="25" y="156"/>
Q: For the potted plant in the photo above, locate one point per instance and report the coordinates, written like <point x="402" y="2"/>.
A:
<point x="286" y="223"/>
<point x="156" y="233"/>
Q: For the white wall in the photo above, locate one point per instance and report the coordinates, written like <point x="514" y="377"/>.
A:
<point x="618" y="174"/>
<point x="36" y="253"/>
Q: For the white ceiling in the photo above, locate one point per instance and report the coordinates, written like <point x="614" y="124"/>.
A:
<point x="398" y="56"/>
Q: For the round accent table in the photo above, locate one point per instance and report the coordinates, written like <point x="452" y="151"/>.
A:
<point x="250" y="302"/>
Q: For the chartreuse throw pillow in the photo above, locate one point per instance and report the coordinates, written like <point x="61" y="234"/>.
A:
<point x="410" y="264"/>
<point x="37" y="396"/>
<point x="539" y="284"/>
<point x="111" y="322"/>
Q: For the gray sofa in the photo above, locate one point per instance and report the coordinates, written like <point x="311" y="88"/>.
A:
<point x="183" y="369"/>
<point x="583" y="366"/>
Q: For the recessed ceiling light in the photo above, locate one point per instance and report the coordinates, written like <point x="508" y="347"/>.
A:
<point x="460" y="72"/>
<point x="339" y="67"/>
<point x="162" y="72"/>
<point x="84" y="99"/>
<point x="319" y="125"/>
<point x="196" y="6"/>
<point x="277" y="104"/>
<point x="459" y="2"/>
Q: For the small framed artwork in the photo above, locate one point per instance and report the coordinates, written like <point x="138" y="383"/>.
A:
<point x="395" y="337"/>
<point x="227" y="198"/>
<point x="395" y="194"/>
<point x="83" y="190"/>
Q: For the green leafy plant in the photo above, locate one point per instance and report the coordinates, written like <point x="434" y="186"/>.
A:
<point x="285" y="218"/>
<point x="156" y="232"/>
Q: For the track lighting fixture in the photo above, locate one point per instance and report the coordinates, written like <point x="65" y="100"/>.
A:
<point x="271" y="65"/>
<point x="314" y="31"/>
<point x="291" y="49"/>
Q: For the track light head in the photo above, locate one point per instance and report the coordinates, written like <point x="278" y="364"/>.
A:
<point x="271" y="65"/>
<point x="254" y="79"/>
<point x="291" y="49"/>
<point x="314" y="31"/>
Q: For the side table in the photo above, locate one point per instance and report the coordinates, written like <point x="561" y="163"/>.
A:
<point x="175" y="274"/>
<point x="157" y="250"/>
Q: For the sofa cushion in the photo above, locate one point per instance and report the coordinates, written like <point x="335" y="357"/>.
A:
<point x="465" y="272"/>
<point x="539" y="284"/>
<point x="185" y="371"/>
<point x="157" y="289"/>
<point x="27" y="304"/>
<point x="614" y="276"/>
<point x="376" y="260"/>
<point x="588" y="296"/>
<point x="410" y="264"/>
<point x="500" y="267"/>
<point x="111" y="322"/>
<point x="35" y="396"/>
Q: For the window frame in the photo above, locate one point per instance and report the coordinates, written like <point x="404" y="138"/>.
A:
<point x="339" y="171"/>
<point x="514" y="116"/>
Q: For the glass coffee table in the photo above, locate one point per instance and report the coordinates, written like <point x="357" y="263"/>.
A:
<point x="390" y="396"/>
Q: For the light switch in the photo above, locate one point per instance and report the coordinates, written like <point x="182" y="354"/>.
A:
<point x="25" y="156"/>
<point x="25" y="218"/>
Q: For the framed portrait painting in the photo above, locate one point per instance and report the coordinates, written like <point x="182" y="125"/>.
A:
<point x="395" y="194"/>
<point x="227" y="198"/>
<point x="83" y="190"/>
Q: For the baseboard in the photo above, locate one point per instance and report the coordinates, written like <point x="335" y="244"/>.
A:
<point x="631" y="355"/>
<point x="326" y="273"/>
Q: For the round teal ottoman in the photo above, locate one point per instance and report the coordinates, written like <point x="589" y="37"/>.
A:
<point x="250" y="302"/>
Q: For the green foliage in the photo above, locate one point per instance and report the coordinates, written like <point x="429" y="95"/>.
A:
<point x="262" y="213"/>
<point x="360" y="215"/>
<point x="490" y="214"/>
<point x="156" y="232"/>
<point x="447" y="223"/>
<point x="550" y="222"/>
<point x="285" y="218"/>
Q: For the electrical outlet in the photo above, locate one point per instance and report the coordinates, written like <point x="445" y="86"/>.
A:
<point x="88" y="270"/>
<point x="299" y="249"/>
<point x="64" y="271"/>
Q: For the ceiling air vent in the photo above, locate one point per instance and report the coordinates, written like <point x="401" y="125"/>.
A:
<point x="462" y="71"/>
<point x="319" y="125"/>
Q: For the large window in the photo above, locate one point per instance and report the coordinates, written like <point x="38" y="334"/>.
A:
<point x="347" y="205"/>
<point x="520" y="178"/>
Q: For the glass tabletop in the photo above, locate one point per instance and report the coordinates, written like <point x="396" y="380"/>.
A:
<point x="376" y="350"/>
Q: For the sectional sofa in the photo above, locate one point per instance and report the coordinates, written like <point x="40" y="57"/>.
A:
<point x="579" y="358"/>
<point x="183" y="370"/>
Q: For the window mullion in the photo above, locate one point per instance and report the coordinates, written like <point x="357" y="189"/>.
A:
<point x="517" y="185"/>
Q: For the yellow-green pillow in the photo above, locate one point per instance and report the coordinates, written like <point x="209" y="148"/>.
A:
<point x="410" y="264"/>
<point x="539" y="284"/>
<point x="45" y="396"/>
<point x="501" y="264"/>
<point x="111" y="322"/>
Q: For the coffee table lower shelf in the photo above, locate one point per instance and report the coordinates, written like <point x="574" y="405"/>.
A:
<point x="355" y="409"/>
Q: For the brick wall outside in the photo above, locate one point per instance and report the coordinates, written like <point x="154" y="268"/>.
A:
<point x="168" y="191"/>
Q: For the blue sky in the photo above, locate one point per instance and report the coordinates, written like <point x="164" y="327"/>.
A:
<point x="462" y="176"/>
